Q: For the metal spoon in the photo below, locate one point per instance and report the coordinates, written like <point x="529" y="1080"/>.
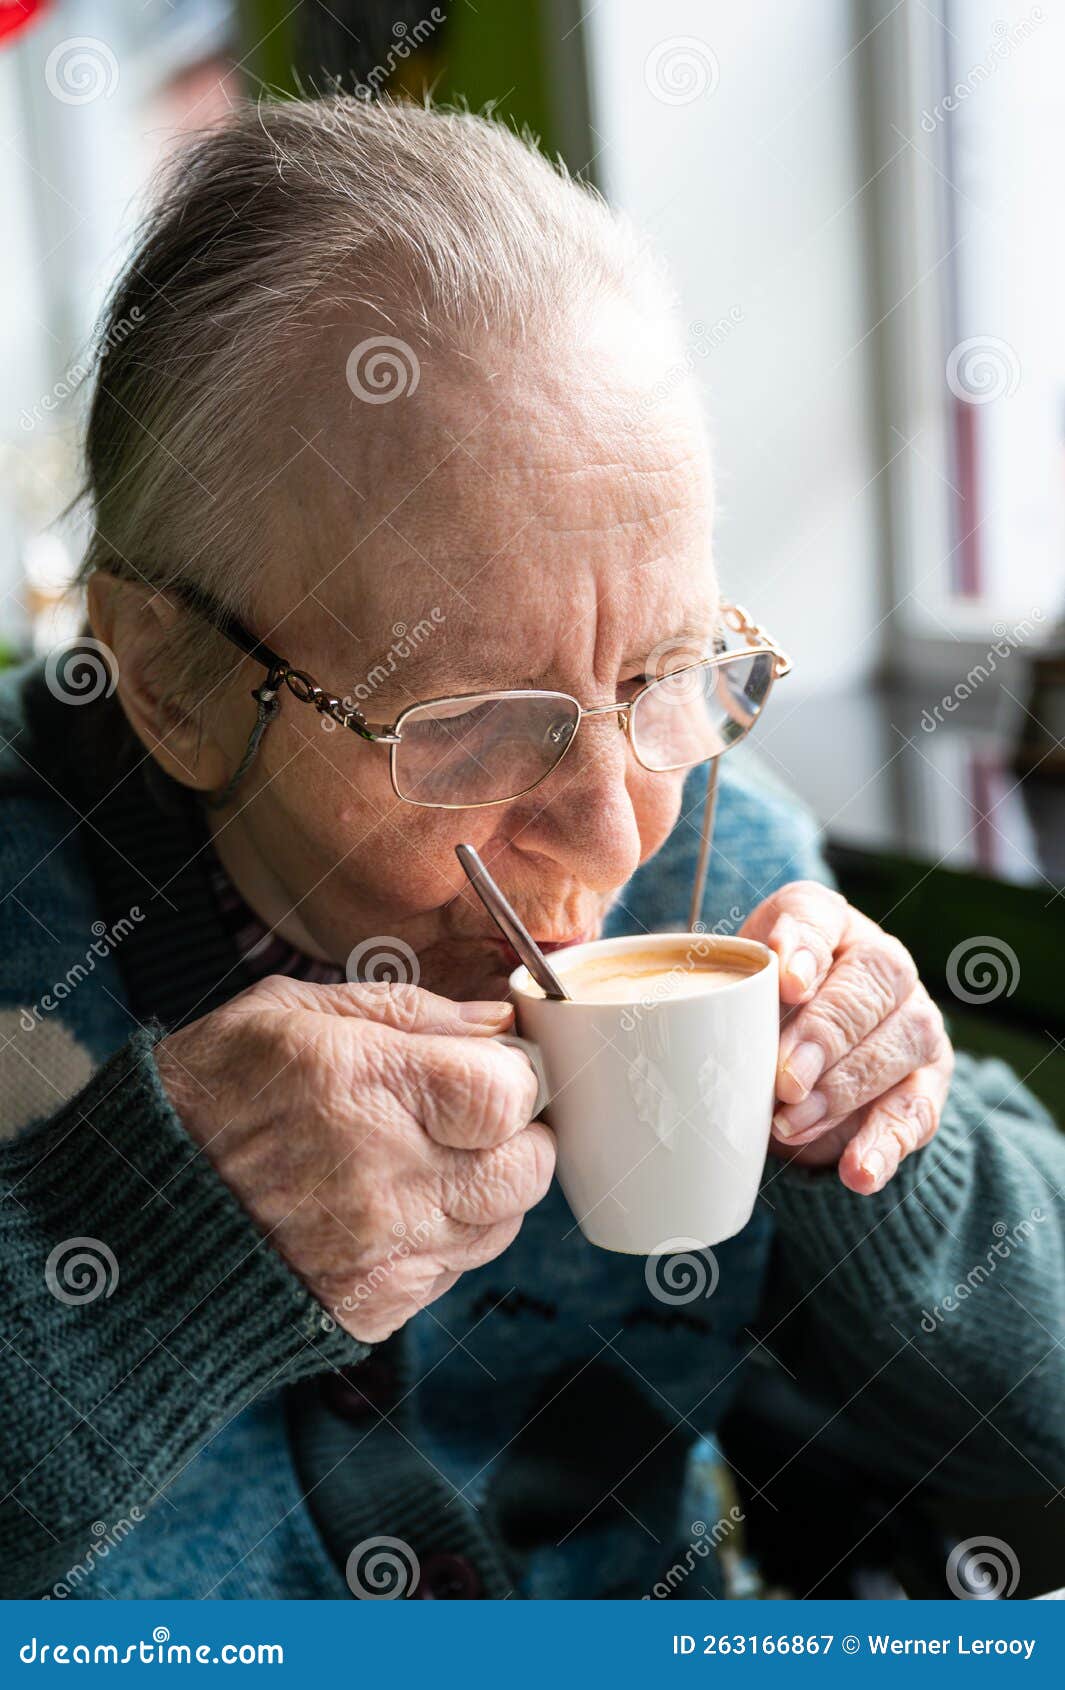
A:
<point x="509" y="925"/>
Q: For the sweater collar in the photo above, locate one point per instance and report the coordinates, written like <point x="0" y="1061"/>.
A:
<point x="149" y="846"/>
<point x="149" y="849"/>
<point x="196" y="943"/>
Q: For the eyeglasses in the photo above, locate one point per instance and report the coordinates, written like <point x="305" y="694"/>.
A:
<point x="474" y="749"/>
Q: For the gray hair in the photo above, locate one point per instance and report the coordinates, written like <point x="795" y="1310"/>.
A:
<point x="440" y="220"/>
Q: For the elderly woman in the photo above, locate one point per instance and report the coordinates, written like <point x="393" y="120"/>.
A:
<point x="392" y="414"/>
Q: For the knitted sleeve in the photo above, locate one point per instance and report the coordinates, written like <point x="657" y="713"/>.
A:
<point x="930" y="1314"/>
<point x="140" y="1308"/>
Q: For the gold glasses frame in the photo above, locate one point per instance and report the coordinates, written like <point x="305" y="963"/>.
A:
<point x="736" y="618"/>
<point x="280" y="673"/>
<point x="307" y="690"/>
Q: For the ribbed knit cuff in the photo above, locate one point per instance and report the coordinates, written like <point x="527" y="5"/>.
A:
<point x="192" y="1313"/>
<point x="870" y="1247"/>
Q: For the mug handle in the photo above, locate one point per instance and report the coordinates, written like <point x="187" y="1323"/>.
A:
<point x="532" y="1051"/>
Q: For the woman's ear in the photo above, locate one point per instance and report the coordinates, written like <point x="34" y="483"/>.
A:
<point x="135" y="622"/>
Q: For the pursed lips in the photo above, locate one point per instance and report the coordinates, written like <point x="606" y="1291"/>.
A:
<point x="513" y="960"/>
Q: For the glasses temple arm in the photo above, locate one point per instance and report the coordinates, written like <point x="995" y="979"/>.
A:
<point x="279" y="670"/>
<point x="702" y="865"/>
<point x="228" y="625"/>
<point x="735" y="617"/>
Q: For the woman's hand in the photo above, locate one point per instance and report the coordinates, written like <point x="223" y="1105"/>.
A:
<point x="865" y="1062"/>
<point x="377" y="1135"/>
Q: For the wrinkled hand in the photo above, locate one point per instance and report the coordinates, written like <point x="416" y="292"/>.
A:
<point x="378" y="1136"/>
<point x="865" y="1062"/>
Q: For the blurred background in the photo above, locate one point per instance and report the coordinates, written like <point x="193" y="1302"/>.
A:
<point x="857" y="197"/>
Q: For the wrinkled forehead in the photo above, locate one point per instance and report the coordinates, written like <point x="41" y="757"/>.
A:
<point x="505" y="498"/>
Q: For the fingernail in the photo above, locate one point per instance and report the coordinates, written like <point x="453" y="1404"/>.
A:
<point x="805" y="1063"/>
<point x="802" y="966"/>
<point x="802" y="1115"/>
<point x="874" y="1165"/>
<point x="485" y="1014"/>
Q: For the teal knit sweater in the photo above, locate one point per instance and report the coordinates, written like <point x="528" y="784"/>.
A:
<point x="178" y="1417"/>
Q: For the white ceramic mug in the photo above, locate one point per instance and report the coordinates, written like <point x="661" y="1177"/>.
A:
<point x="662" y="1109"/>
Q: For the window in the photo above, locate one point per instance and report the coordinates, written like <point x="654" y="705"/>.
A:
<point x="91" y="93"/>
<point x="973" y="128"/>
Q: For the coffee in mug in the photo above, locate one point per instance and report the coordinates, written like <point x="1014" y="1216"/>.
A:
<point x="658" y="1078"/>
<point x="647" y="975"/>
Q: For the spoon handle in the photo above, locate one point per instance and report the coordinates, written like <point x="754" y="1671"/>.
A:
<point x="509" y="924"/>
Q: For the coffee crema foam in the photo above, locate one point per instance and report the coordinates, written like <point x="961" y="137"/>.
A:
<point x="691" y="969"/>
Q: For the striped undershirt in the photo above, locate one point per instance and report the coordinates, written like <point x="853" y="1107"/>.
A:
<point x="261" y="949"/>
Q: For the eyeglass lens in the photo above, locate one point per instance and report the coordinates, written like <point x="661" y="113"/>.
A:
<point x="700" y="711"/>
<point x="481" y="750"/>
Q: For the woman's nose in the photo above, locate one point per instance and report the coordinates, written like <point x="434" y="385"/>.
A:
<point x="583" y="814"/>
